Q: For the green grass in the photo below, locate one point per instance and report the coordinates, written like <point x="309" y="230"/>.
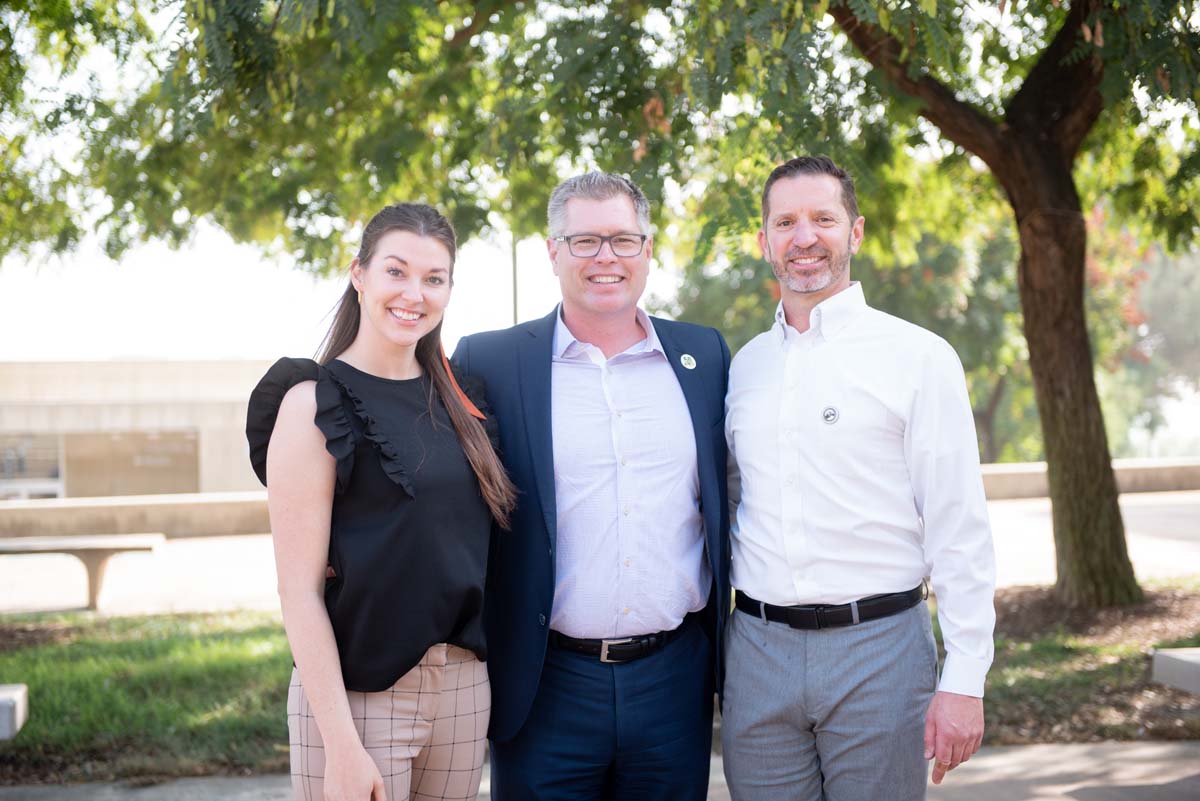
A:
<point x="174" y="695"/>
<point x="154" y="695"/>
<point x="1061" y="687"/>
<point x="1075" y="681"/>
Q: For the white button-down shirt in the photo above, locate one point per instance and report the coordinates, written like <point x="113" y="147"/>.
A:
<point x="857" y="473"/>
<point x="630" y="548"/>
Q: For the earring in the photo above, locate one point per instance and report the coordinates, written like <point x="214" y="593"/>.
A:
<point x="360" y="297"/>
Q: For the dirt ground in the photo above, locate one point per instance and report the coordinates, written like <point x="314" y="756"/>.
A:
<point x="1107" y="695"/>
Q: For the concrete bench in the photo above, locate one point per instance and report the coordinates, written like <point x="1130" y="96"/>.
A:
<point x="1179" y="668"/>
<point x="14" y="709"/>
<point x="93" y="551"/>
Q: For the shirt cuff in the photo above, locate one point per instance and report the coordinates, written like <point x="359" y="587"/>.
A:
<point x="964" y="675"/>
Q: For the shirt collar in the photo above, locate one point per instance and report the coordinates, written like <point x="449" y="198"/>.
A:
<point x="566" y="345"/>
<point x="829" y="316"/>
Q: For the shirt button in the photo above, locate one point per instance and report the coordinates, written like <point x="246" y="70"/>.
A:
<point x="791" y="481"/>
<point x="628" y="561"/>
<point x="623" y="461"/>
<point x="625" y="611"/>
<point x="626" y="510"/>
<point x="541" y="620"/>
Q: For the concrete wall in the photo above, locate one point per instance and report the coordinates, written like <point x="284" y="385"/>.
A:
<point x="204" y="400"/>
<point x="1028" y="479"/>
<point x="218" y="514"/>
<point x="102" y="465"/>
<point x="194" y="515"/>
<point x="124" y="382"/>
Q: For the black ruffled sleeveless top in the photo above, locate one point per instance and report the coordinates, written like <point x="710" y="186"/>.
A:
<point x="409" y="529"/>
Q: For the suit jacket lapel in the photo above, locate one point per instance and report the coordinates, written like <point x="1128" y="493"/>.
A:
<point x="689" y="381"/>
<point x="534" y="357"/>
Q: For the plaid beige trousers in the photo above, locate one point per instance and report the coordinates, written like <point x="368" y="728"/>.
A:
<point x="426" y="732"/>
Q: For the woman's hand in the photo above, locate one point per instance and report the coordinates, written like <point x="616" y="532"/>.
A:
<point x="351" y="775"/>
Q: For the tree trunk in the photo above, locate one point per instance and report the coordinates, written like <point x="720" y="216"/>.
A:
<point x="985" y="423"/>
<point x="1089" y="536"/>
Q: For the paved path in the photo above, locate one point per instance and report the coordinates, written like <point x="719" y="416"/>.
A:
<point x="1101" y="772"/>
<point x="213" y="573"/>
<point x="1162" y="530"/>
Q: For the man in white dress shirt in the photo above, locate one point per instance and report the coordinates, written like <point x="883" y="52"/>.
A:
<point x="857" y="476"/>
<point x="606" y="599"/>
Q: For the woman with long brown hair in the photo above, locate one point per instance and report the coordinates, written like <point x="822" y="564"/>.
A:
<point x="383" y="485"/>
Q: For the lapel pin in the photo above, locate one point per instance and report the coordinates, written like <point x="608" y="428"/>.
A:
<point x="687" y="361"/>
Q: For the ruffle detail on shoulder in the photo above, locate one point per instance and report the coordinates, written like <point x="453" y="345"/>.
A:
<point x="330" y="418"/>
<point x="389" y="455"/>
<point x="475" y="388"/>
<point x="339" y="436"/>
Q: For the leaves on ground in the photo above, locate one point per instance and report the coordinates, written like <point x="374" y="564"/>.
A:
<point x="1063" y="675"/>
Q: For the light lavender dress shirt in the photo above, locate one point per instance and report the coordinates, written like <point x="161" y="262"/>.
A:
<point x="630" y="556"/>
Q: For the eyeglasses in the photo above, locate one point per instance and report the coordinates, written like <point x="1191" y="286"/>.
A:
<point x="584" y="246"/>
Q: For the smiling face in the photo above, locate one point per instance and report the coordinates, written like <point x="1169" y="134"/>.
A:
<point x="809" y="236"/>
<point x="405" y="287"/>
<point x="604" y="286"/>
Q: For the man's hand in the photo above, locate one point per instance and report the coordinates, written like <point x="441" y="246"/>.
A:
<point x="953" y="731"/>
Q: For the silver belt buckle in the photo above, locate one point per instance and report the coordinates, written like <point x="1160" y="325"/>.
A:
<point x="604" y="648"/>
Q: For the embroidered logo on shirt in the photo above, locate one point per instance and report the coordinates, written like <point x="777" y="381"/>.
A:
<point x="688" y="361"/>
<point x="830" y="415"/>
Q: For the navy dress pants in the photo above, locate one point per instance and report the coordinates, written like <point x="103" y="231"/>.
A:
<point x="637" y="731"/>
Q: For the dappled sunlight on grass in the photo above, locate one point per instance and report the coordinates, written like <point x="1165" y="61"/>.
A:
<point x="1083" y="678"/>
<point x="189" y="690"/>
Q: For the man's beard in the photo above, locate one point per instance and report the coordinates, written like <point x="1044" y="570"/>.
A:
<point x="812" y="282"/>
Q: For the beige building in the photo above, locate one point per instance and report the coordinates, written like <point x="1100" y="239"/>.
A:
<point x="75" y="429"/>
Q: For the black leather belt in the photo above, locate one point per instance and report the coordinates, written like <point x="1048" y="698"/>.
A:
<point x="830" y="616"/>
<point x="616" y="651"/>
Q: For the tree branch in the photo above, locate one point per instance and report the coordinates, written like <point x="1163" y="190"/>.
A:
<point x="1060" y="102"/>
<point x="960" y="122"/>
<point x="480" y="19"/>
<point x="465" y="33"/>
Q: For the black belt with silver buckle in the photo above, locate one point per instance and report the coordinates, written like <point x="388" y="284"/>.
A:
<point x="615" y="651"/>
<point x="827" y="616"/>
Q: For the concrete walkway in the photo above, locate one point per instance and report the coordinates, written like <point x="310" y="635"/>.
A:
<point x="1100" y="772"/>
<point x="214" y="573"/>
<point x="1162" y="530"/>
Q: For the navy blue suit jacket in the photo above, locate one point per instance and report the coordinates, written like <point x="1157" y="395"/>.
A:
<point x="515" y="364"/>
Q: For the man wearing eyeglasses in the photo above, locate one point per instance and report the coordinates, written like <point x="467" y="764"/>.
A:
<point x="606" y="598"/>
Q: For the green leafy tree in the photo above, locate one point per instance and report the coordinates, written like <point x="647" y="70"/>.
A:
<point x="47" y="37"/>
<point x="1169" y="301"/>
<point x="288" y="121"/>
<point x="1161" y="358"/>
<point x="1028" y="99"/>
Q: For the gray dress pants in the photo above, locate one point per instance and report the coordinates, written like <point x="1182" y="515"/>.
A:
<point x="828" y="715"/>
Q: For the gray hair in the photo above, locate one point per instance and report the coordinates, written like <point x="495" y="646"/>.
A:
<point x="595" y="186"/>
